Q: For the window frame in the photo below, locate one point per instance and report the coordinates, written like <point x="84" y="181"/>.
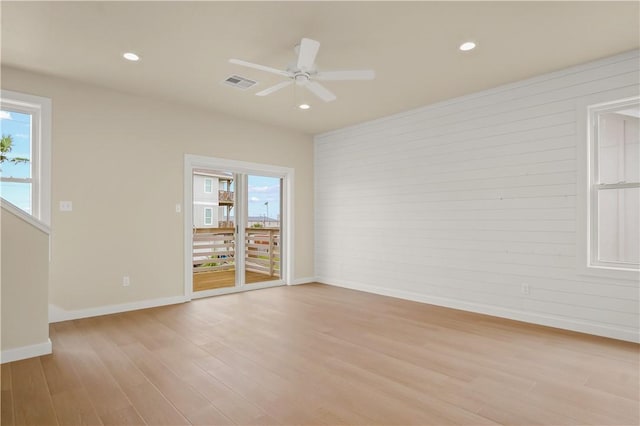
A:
<point x="40" y="110"/>
<point x="204" y="216"/>
<point x="594" y="266"/>
<point x="210" y="182"/>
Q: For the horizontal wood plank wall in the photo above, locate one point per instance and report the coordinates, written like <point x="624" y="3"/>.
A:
<point x="462" y="202"/>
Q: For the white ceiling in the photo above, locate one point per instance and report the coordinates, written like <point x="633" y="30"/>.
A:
<point x="413" y="46"/>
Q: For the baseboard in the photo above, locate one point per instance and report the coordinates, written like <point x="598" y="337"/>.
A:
<point x="514" y="314"/>
<point x="305" y="280"/>
<point x="57" y="314"/>
<point x="24" y="352"/>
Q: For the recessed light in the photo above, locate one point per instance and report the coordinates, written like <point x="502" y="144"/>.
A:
<point x="304" y="106"/>
<point x="469" y="45"/>
<point x="130" y="56"/>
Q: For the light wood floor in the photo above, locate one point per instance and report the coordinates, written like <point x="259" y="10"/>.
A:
<point x="316" y="354"/>
<point x="221" y="279"/>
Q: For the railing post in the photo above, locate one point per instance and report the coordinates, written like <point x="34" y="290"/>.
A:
<point x="247" y="241"/>
<point x="271" y="252"/>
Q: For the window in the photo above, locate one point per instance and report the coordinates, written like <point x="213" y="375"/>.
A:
<point x="208" y="216"/>
<point x="614" y="195"/>
<point x="208" y="185"/>
<point x="24" y="169"/>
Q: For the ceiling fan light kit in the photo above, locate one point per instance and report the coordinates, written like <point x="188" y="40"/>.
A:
<point x="305" y="73"/>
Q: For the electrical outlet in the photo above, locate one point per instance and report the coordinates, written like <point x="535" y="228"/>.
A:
<point x="126" y="282"/>
<point x="525" y="289"/>
<point x="178" y="208"/>
<point x="66" y="206"/>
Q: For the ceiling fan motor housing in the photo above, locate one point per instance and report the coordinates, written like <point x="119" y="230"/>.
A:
<point x="301" y="78"/>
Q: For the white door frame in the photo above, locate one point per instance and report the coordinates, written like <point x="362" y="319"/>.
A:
<point x="192" y="162"/>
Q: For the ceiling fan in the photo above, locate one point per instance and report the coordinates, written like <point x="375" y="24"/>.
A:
<point x="304" y="72"/>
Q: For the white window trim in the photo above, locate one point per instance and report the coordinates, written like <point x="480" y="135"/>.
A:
<point x="594" y="188"/>
<point x="210" y="222"/>
<point x="210" y="181"/>
<point x="584" y="197"/>
<point x="40" y="108"/>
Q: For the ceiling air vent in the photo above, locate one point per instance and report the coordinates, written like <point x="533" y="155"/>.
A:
<point x="239" y="82"/>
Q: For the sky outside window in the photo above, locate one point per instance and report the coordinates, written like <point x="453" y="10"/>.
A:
<point x="18" y="126"/>
<point x="263" y="190"/>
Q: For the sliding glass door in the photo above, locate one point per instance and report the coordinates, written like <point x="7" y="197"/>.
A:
<point x="236" y="228"/>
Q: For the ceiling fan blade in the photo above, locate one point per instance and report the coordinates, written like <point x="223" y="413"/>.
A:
<point x="308" y="51"/>
<point x="346" y="75"/>
<point x="260" y="67"/>
<point x="275" y="88"/>
<point x="320" y="91"/>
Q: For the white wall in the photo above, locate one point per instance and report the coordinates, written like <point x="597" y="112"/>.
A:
<point x="25" y="278"/>
<point x="119" y="158"/>
<point x="460" y="203"/>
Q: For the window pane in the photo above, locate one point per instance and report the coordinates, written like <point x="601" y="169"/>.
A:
<point x="618" y="139"/>
<point x="262" y="255"/>
<point x="631" y="151"/>
<point x="16" y="155"/>
<point x="264" y="201"/>
<point x="18" y="194"/>
<point x="618" y="225"/>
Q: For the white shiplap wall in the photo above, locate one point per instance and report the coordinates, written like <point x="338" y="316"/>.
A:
<point x="461" y="202"/>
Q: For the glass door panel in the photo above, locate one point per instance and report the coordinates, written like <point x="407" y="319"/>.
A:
<point x="214" y="231"/>
<point x="262" y="261"/>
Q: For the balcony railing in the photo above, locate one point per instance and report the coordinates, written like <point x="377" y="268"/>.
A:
<point x="225" y="197"/>
<point x="262" y="251"/>
<point x="214" y="250"/>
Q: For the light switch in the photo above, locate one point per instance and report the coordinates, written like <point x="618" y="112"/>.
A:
<point x="66" y="206"/>
<point x="178" y="208"/>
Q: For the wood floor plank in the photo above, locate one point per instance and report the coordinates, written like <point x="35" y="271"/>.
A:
<point x="153" y="407"/>
<point x="320" y="355"/>
<point x="6" y="408"/>
<point x="209" y="415"/>
<point x="6" y="396"/>
<point x="585" y="403"/>
<point x="31" y="399"/>
<point x="127" y="416"/>
<point x="73" y="407"/>
<point x="103" y="391"/>
<point x="5" y="377"/>
<point x="59" y="372"/>
<point x="231" y="404"/>
<point x="297" y="364"/>
<point x="267" y="390"/>
<point x="120" y="367"/>
<point x="189" y="401"/>
<point x="619" y="382"/>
